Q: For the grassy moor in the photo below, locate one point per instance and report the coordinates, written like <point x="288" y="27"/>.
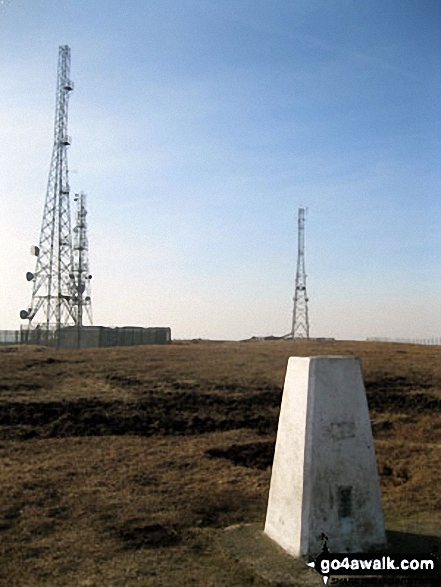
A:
<point x="121" y="467"/>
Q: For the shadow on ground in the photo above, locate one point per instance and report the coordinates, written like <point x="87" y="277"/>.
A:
<point x="408" y="542"/>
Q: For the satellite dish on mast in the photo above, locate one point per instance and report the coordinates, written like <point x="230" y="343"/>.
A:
<point x="35" y="251"/>
<point x="24" y="314"/>
<point x="29" y="276"/>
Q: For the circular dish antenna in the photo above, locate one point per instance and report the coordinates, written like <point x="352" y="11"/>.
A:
<point x="35" y="251"/>
<point x="24" y="314"/>
<point x="29" y="276"/>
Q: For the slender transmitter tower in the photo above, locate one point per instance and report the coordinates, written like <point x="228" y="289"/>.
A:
<point x="81" y="276"/>
<point x="300" y="320"/>
<point x="56" y="281"/>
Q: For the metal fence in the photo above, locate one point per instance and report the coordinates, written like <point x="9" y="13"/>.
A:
<point x="25" y="336"/>
<point x="39" y="336"/>
<point x="88" y="336"/>
<point x="10" y="336"/>
<point x="102" y="336"/>
<point x="424" y="341"/>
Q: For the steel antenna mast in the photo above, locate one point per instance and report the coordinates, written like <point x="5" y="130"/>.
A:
<point x="52" y="306"/>
<point x="81" y="275"/>
<point x="300" y="320"/>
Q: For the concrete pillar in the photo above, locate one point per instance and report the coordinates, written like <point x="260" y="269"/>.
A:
<point x="324" y="478"/>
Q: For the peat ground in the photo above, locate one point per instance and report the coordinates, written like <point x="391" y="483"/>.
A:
<point x="120" y="466"/>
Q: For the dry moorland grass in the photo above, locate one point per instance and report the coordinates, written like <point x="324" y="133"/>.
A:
<point x="120" y="466"/>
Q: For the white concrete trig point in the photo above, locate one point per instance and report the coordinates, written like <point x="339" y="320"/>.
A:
<point x="324" y="478"/>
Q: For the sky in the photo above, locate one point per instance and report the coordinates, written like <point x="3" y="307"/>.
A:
<point x="199" y="127"/>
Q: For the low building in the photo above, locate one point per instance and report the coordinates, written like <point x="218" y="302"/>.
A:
<point x="103" y="336"/>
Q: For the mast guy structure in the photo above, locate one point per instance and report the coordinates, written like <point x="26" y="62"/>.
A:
<point x="300" y="320"/>
<point x="57" y="283"/>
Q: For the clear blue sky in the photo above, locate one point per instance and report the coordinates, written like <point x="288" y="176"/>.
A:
<point x="200" y="126"/>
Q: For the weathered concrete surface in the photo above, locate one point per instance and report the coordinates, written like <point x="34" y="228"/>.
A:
<point x="324" y="478"/>
<point x="250" y="548"/>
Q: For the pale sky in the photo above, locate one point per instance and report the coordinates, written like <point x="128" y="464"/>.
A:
<point x="199" y="127"/>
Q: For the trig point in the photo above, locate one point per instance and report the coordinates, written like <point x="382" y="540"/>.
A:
<point x="324" y="479"/>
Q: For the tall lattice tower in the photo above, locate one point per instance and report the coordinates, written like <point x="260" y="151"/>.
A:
<point x="81" y="274"/>
<point x="300" y="320"/>
<point x="53" y="303"/>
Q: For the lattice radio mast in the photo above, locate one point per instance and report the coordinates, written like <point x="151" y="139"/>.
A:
<point x="81" y="275"/>
<point x="53" y="303"/>
<point x="300" y="320"/>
